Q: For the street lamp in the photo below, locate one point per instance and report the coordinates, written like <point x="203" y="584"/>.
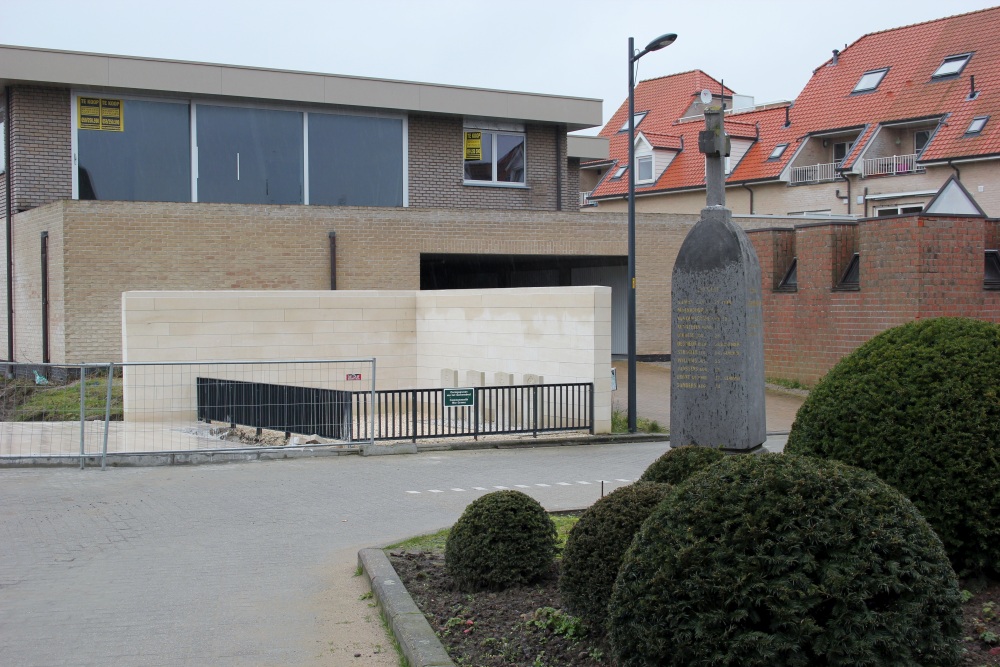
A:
<point x="657" y="44"/>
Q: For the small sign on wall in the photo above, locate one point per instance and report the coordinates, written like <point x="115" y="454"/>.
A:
<point x="353" y="376"/>
<point x="473" y="145"/>
<point x="98" y="113"/>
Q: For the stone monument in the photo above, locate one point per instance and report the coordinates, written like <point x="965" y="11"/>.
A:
<point x="717" y="344"/>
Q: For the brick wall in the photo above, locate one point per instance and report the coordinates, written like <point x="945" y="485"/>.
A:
<point x="912" y="267"/>
<point x="436" y="169"/>
<point x="41" y="151"/>
<point x="113" y="247"/>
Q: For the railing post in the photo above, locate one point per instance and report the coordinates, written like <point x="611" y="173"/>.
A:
<point x="107" y="417"/>
<point x="476" y="397"/>
<point x="372" y="418"/>
<point x="534" y="393"/>
<point x="413" y="410"/>
<point x="590" y="388"/>
<point x="83" y="414"/>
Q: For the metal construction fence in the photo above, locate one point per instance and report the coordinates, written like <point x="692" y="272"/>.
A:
<point x="410" y="414"/>
<point x="88" y="411"/>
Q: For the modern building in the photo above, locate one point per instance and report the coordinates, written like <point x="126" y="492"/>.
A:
<point x="876" y="131"/>
<point x="130" y="174"/>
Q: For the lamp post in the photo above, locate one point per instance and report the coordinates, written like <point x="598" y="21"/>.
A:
<point x="657" y="44"/>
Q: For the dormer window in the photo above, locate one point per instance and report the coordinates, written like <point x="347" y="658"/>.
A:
<point x="644" y="169"/>
<point x="778" y="151"/>
<point x="977" y="125"/>
<point x="870" y="80"/>
<point x="951" y="66"/>
<point x="638" y="119"/>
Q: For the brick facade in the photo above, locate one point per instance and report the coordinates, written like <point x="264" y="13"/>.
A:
<point x="41" y="146"/>
<point x="912" y="267"/>
<point x="106" y="248"/>
<point x="436" y="170"/>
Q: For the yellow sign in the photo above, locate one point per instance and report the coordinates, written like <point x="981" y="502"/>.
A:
<point x="97" y="113"/>
<point x="473" y="145"/>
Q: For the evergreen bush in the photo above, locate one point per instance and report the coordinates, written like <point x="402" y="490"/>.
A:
<point x="597" y="544"/>
<point x="919" y="405"/>
<point x="679" y="463"/>
<point x="774" y="560"/>
<point x="503" y="539"/>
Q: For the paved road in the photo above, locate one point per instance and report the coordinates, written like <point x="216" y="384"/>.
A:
<point x="242" y="564"/>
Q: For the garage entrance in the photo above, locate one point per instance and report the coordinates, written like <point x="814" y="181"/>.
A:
<point x="454" y="271"/>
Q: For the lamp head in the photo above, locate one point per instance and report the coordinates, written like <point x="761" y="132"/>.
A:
<point x="661" y="42"/>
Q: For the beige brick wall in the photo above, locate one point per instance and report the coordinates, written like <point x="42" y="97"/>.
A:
<point x="562" y="333"/>
<point x="436" y="169"/>
<point x="115" y="247"/>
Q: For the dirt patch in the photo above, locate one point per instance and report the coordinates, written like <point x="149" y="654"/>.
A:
<point x="525" y="625"/>
<point x="493" y="629"/>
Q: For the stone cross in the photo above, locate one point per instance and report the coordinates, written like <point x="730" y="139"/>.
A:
<point x="717" y="344"/>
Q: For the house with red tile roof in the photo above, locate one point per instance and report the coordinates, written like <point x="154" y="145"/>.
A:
<point x="876" y="131"/>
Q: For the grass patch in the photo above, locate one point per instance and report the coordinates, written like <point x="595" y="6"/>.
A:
<point x="787" y="384"/>
<point x="434" y="542"/>
<point x="619" y="423"/>
<point x="49" y="403"/>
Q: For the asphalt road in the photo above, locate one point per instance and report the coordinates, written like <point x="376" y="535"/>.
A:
<point x="243" y="564"/>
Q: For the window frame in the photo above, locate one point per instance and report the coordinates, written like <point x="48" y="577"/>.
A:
<point x="778" y="151"/>
<point x="619" y="173"/>
<point x="926" y="141"/>
<point x="3" y="146"/>
<point x="982" y="120"/>
<point x="645" y="157"/>
<point x="192" y="104"/>
<point x="963" y="57"/>
<point x="847" y="151"/>
<point x="882" y="71"/>
<point x="493" y="166"/>
<point x="639" y="117"/>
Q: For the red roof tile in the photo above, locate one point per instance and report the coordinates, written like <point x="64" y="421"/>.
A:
<point x="906" y="92"/>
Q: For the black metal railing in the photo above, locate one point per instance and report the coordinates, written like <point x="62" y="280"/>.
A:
<point x="411" y="414"/>
<point x="276" y="407"/>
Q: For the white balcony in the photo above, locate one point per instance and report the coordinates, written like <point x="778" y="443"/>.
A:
<point x="585" y="200"/>
<point x="815" y="173"/>
<point x="894" y="165"/>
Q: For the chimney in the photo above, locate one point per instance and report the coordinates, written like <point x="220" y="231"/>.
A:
<point x="836" y="57"/>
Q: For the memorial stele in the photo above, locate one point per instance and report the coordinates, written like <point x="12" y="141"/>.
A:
<point x="716" y="342"/>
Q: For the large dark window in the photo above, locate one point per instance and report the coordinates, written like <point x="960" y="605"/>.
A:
<point x="149" y="160"/>
<point x="249" y="156"/>
<point x="355" y="160"/>
<point x="501" y="159"/>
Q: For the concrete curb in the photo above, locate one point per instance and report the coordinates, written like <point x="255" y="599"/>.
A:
<point x="416" y="638"/>
<point x="193" y="457"/>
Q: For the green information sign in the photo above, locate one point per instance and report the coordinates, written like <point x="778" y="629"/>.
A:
<point x="459" y="398"/>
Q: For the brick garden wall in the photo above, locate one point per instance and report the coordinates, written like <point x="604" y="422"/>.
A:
<point x="912" y="267"/>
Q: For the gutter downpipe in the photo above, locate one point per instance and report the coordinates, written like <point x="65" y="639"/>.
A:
<point x="333" y="259"/>
<point x="10" y="230"/>
<point x="958" y="174"/>
<point x="747" y="188"/>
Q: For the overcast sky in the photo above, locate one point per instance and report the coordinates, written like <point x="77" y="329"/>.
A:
<point x="763" y="48"/>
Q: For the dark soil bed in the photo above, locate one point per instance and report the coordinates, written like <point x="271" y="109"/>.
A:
<point x="507" y="628"/>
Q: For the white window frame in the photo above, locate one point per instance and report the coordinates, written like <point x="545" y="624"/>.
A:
<point x="898" y="208"/>
<point x="926" y="141"/>
<point x="619" y="173"/>
<point x="961" y="59"/>
<point x="3" y="146"/>
<point x="494" y="182"/>
<point x="639" y="159"/>
<point x="874" y="79"/>
<point x="193" y="103"/>
<point x="778" y="151"/>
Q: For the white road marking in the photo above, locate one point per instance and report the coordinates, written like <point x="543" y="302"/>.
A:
<point x="623" y="480"/>
<point x="563" y="484"/>
<point x="543" y="485"/>
<point x="435" y="491"/>
<point x="500" y="487"/>
<point x="521" y="486"/>
<point x="417" y="492"/>
<point x="578" y="482"/>
<point x="458" y="489"/>
<point x="479" y="488"/>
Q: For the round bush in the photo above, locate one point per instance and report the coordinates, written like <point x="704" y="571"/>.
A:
<point x="596" y="545"/>
<point x="501" y="540"/>
<point x="919" y="406"/>
<point x="677" y="464"/>
<point x="773" y="560"/>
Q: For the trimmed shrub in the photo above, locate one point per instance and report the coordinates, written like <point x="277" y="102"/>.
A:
<point x="677" y="464"/>
<point x="919" y="405"/>
<point x="773" y="560"/>
<point x="597" y="544"/>
<point x="501" y="540"/>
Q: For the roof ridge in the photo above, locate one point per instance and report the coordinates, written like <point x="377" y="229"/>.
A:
<point x="690" y="71"/>
<point x="919" y="23"/>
